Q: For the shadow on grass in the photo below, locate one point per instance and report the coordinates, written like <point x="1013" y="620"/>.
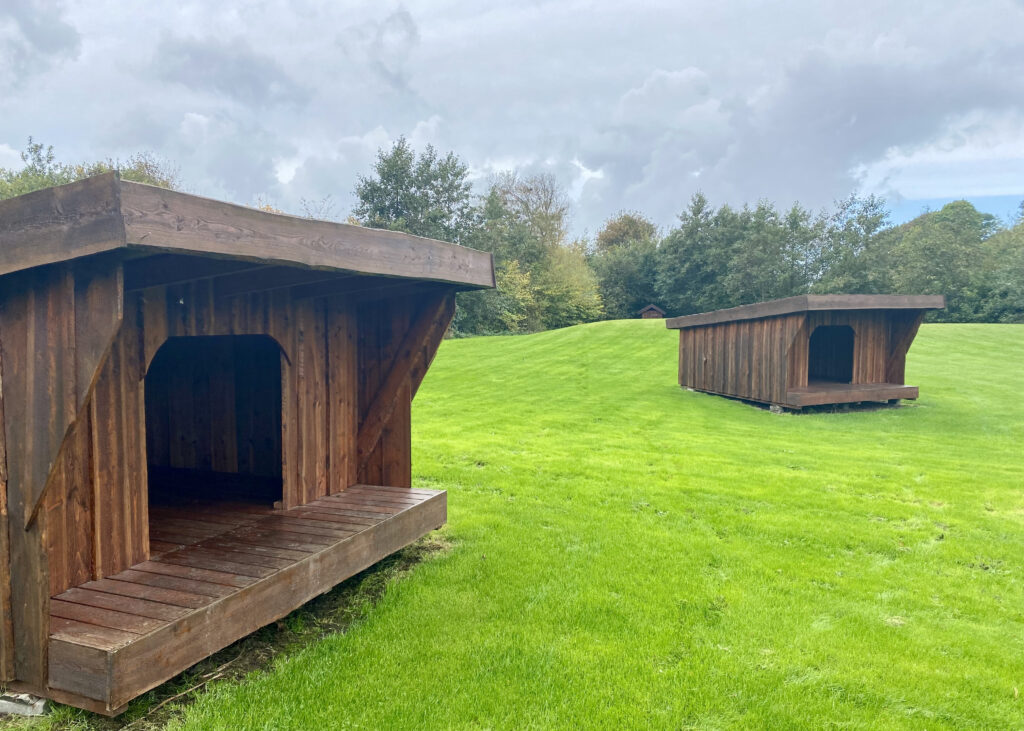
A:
<point x="331" y="613"/>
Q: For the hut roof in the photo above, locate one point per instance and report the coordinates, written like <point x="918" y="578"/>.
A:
<point x="105" y="214"/>
<point x="649" y="308"/>
<point x="808" y="303"/>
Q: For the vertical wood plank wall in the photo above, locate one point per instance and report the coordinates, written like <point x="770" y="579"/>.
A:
<point x="214" y="404"/>
<point x="762" y="359"/>
<point x="870" y="340"/>
<point x="74" y="350"/>
<point x="331" y="364"/>
<point x="56" y="325"/>
<point x="745" y="359"/>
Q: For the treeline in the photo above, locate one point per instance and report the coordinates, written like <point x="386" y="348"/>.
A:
<point x="713" y="257"/>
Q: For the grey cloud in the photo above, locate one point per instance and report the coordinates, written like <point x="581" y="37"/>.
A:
<point x="33" y="35"/>
<point x="384" y="47"/>
<point x="231" y="68"/>
<point x="787" y="100"/>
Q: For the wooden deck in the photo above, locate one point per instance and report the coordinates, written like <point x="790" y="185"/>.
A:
<point x="817" y="393"/>
<point x="217" y="572"/>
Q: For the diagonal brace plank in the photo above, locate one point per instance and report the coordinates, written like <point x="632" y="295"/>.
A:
<point x="409" y="365"/>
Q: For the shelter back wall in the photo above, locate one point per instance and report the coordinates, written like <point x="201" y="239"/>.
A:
<point x="96" y="505"/>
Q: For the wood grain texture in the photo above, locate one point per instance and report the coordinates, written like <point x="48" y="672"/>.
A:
<point x="62" y="223"/>
<point x="6" y="624"/>
<point x="131" y="632"/>
<point x="162" y="219"/>
<point x="76" y="342"/>
<point x="405" y="349"/>
<point x="810" y="303"/>
<point x="773" y="359"/>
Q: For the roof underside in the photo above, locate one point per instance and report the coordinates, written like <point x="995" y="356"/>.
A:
<point x="105" y="214"/>
<point x="810" y="303"/>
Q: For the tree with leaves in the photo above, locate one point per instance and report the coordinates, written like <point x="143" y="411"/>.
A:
<point x="426" y="194"/>
<point x="625" y="262"/>
<point x="43" y="170"/>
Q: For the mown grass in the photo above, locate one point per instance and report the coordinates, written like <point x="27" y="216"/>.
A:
<point x="627" y="554"/>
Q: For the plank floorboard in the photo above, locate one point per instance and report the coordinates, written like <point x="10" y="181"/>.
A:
<point x="214" y="577"/>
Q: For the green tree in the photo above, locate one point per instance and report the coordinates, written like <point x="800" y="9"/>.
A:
<point x="625" y="262"/>
<point x="624" y="229"/>
<point x="523" y="221"/>
<point x="694" y="258"/>
<point x="1003" y="275"/>
<point x="854" y="256"/>
<point x="425" y="194"/>
<point x="942" y="252"/>
<point x="43" y="170"/>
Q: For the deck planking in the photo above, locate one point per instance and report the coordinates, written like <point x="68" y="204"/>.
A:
<point x="210" y="585"/>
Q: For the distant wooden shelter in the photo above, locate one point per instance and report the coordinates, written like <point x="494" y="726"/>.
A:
<point x="651" y="312"/>
<point x="205" y="413"/>
<point x="804" y="351"/>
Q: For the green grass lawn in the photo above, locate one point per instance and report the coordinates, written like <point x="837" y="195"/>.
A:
<point x="627" y="554"/>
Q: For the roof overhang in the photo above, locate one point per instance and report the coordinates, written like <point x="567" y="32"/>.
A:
<point x="105" y="213"/>
<point x="810" y="303"/>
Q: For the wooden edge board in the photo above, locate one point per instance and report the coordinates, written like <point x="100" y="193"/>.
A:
<point x="809" y="303"/>
<point x="153" y="658"/>
<point x="172" y="221"/>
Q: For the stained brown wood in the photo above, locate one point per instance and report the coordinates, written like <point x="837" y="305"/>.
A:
<point x="92" y="287"/>
<point x="163" y="219"/>
<point x="769" y="353"/>
<point x="810" y="303"/>
<point x="121" y="635"/>
<point x="6" y="625"/>
<point x="396" y="389"/>
<point x="61" y="223"/>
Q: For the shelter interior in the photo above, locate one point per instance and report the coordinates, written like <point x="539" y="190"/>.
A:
<point x="830" y="355"/>
<point x="213" y="420"/>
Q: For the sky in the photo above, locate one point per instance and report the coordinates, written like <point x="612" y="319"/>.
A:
<point x="630" y="106"/>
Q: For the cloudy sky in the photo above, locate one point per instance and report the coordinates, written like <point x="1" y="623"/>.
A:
<point x="630" y="105"/>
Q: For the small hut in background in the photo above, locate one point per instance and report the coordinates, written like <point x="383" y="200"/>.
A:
<point x="802" y="351"/>
<point x="204" y="423"/>
<point x="651" y="312"/>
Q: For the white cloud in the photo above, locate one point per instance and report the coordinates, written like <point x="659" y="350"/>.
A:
<point x="975" y="155"/>
<point x="10" y="158"/>
<point x="630" y="106"/>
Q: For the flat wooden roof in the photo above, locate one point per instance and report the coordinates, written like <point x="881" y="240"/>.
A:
<point x="105" y="213"/>
<point x="808" y="303"/>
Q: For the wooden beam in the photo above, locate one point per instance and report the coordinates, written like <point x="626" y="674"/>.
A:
<point x="164" y="219"/>
<point x="57" y="224"/>
<point x="808" y="303"/>
<point x="266" y="279"/>
<point x="6" y="627"/>
<point x="902" y="332"/>
<point x="163" y="269"/>
<point x="411" y="353"/>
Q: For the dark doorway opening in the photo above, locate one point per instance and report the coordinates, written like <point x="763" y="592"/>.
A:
<point x="830" y="356"/>
<point x="213" y="420"/>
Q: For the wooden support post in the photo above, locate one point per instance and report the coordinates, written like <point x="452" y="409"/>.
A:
<point x="411" y="357"/>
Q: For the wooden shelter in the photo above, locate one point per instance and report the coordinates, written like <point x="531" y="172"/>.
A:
<point x="205" y="413"/>
<point x="802" y="351"/>
<point x="651" y="312"/>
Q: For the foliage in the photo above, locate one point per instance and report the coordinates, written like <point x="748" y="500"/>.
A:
<point x="629" y="555"/>
<point x="43" y="170"/>
<point x="625" y="262"/>
<point x="1003" y="276"/>
<point x="425" y="194"/>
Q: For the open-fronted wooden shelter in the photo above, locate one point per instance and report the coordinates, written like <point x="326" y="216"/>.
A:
<point x="802" y="351"/>
<point x="205" y="414"/>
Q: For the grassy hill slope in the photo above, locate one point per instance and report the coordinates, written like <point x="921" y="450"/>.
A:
<point x="627" y="554"/>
